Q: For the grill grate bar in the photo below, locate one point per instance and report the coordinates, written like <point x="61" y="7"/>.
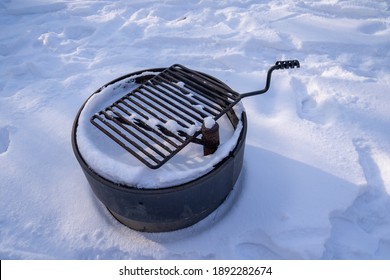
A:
<point x="147" y="111"/>
<point x="123" y="144"/>
<point x="171" y="90"/>
<point x="142" y="127"/>
<point x="208" y="82"/>
<point x="160" y="94"/>
<point x="129" y="103"/>
<point x="132" y="133"/>
<point x="139" y="123"/>
<point x="201" y="89"/>
<point x="194" y="99"/>
<point x="163" y="108"/>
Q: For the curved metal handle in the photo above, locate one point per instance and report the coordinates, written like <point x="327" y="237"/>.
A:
<point x="286" y="64"/>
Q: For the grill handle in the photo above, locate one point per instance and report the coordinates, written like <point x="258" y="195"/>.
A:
<point x="286" y="64"/>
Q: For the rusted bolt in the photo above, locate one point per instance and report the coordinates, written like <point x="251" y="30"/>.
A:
<point x="210" y="136"/>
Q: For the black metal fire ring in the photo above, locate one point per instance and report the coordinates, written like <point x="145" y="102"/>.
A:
<point x="171" y="208"/>
<point x="174" y="207"/>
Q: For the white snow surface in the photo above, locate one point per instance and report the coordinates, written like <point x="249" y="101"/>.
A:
<point x="209" y="122"/>
<point x="316" y="177"/>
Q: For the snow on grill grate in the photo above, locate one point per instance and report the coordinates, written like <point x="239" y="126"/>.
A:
<point x="160" y="117"/>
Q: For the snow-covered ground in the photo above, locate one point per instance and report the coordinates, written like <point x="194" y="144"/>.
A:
<point x="316" y="177"/>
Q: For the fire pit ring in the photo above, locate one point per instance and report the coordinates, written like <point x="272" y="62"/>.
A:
<point x="178" y="205"/>
<point x="170" y="208"/>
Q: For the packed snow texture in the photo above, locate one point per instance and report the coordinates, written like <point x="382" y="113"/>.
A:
<point x="316" y="177"/>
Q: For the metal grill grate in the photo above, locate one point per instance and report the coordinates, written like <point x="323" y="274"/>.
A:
<point x="160" y="117"/>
